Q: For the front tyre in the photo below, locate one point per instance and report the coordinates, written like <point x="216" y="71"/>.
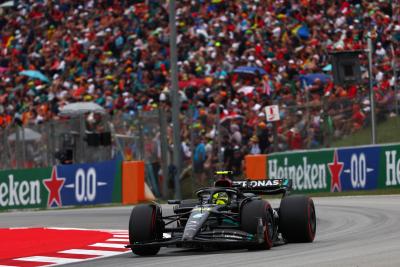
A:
<point x="144" y="226"/>
<point x="250" y="214"/>
<point x="297" y="219"/>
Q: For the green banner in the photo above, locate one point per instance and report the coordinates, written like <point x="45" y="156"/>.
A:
<point x="389" y="167"/>
<point x="340" y="169"/>
<point x="308" y="170"/>
<point x="24" y="188"/>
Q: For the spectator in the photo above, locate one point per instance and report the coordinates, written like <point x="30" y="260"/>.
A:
<point x="254" y="146"/>
<point x="199" y="158"/>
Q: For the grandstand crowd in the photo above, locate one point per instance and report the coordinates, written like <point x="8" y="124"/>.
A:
<point x="116" y="53"/>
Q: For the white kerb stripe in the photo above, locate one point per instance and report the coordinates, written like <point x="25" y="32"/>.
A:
<point x="121" y="236"/>
<point x="90" y="252"/>
<point x="7" y="265"/>
<point x="49" y="259"/>
<point x="108" y="245"/>
<point x="118" y="240"/>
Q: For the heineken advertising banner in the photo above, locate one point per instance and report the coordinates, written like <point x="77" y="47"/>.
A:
<point x="64" y="185"/>
<point x="24" y="188"/>
<point x="390" y="173"/>
<point x="90" y="184"/>
<point x="341" y="169"/>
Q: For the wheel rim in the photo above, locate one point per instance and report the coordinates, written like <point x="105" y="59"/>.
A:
<point x="312" y="220"/>
<point x="269" y="228"/>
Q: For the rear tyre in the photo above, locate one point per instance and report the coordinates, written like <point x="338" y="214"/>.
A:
<point x="250" y="214"/>
<point x="145" y="226"/>
<point x="297" y="220"/>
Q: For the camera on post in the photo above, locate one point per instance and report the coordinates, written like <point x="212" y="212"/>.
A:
<point x="346" y="67"/>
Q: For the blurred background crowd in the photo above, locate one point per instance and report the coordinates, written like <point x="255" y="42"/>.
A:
<point x="234" y="59"/>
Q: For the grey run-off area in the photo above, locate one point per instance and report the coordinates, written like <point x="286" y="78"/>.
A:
<point x="351" y="231"/>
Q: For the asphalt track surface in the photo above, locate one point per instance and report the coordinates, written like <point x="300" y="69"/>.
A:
<point x="351" y="231"/>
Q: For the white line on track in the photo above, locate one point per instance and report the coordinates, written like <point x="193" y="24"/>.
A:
<point x="91" y="252"/>
<point x="8" y="265"/>
<point x="118" y="240"/>
<point x="108" y="245"/>
<point x="112" y="231"/>
<point x="55" y="260"/>
<point x="120" y="236"/>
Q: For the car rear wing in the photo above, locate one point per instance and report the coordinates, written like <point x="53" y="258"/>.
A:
<point x="264" y="187"/>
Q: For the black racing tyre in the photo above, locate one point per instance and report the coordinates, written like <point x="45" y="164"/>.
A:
<point x="297" y="220"/>
<point x="144" y="226"/>
<point x="250" y="214"/>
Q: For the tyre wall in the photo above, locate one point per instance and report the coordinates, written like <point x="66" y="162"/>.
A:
<point x="336" y="169"/>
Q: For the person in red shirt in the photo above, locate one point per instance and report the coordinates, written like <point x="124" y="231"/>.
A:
<point x="294" y="139"/>
<point x="357" y="118"/>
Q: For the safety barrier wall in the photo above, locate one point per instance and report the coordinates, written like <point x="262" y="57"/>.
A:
<point x="336" y="169"/>
<point x="133" y="182"/>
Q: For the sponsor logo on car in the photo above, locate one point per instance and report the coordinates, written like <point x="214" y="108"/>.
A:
<point x="262" y="183"/>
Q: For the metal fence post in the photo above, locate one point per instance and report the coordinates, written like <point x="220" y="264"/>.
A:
<point x="175" y="98"/>
<point x="23" y="146"/>
<point x="18" y="155"/>
<point x="326" y="127"/>
<point x="396" y="86"/>
<point x="141" y="137"/>
<point x="219" y="139"/>
<point x="81" y="155"/>
<point x="7" y="148"/>
<point x="117" y="140"/>
<point x="53" y="143"/>
<point x="371" y="91"/>
<point x="49" y="154"/>
<point x="164" y="151"/>
<point x="192" y="146"/>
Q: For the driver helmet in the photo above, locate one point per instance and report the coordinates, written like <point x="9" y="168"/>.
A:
<point x="220" y="198"/>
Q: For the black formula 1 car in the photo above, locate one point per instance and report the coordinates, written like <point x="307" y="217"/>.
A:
<point x="229" y="215"/>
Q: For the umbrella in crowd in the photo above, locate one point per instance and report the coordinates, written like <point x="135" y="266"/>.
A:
<point x="309" y="79"/>
<point x="27" y="134"/>
<point x="226" y="119"/>
<point x="246" y="90"/>
<point x="78" y="108"/>
<point x="250" y="70"/>
<point x="7" y="4"/>
<point x="35" y="74"/>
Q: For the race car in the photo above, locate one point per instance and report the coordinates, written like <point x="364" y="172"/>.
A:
<point x="231" y="214"/>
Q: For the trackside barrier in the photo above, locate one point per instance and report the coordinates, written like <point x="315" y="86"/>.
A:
<point x="62" y="185"/>
<point x="256" y="167"/>
<point x="339" y="169"/>
<point x="134" y="188"/>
